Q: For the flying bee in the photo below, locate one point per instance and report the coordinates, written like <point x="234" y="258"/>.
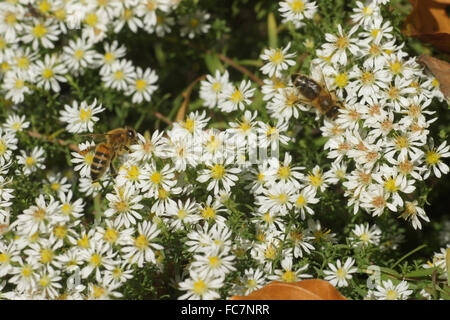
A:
<point x="118" y="141"/>
<point x="316" y="94"/>
<point x="33" y="12"/>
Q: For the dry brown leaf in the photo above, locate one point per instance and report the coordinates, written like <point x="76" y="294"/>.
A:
<point x="314" y="289"/>
<point x="429" y="22"/>
<point x="440" y="69"/>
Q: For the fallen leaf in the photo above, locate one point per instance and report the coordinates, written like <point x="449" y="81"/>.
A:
<point x="440" y="69"/>
<point x="429" y="22"/>
<point x="314" y="289"/>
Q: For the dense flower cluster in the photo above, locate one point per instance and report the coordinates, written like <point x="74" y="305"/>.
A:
<point x="188" y="179"/>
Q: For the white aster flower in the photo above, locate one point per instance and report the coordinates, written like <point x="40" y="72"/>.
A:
<point x="278" y="60"/>
<point x="80" y="118"/>
<point x="339" y="274"/>
<point x="140" y="249"/>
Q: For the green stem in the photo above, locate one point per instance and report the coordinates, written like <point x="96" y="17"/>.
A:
<point x="408" y="254"/>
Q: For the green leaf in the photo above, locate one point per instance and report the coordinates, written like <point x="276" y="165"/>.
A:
<point x="272" y="30"/>
<point x="390" y="271"/>
<point x="213" y="63"/>
<point x="420" y="273"/>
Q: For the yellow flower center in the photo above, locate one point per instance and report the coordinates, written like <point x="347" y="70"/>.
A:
<point x="200" y="287"/>
<point x="270" y="252"/>
<point x="83" y="241"/>
<point x="133" y="173"/>
<point x="283" y="198"/>
<point x="39" y="214"/>
<point x="391" y="295"/>
<point x="341" y="274"/>
<point x="435" y="83"/>
<point x="288" y="276"/>
<point x="410" y="209"/>
<point x="367" y="77"/>
<point x="214" y="261"/>
<point x="396" y="67"/>
<point x="401" y="142"/>
<point x="208" y="213"/>
<point x="393" y="92"/>
<point x="78" y="54"/>
<point x="189" y="125"/>
<point x="378" y="202"/>
<point x="141" y="84"/>
<point x="237" y="96"/>
<point x="342" y="42"/>
<point x="60" y="14"/>
<point x="121" y="206"/>
<point x="272" y="131"/>
<point x="39" y="30"/>
<point x="367" y="11"/>
<point x="20" y="84"/>
<point x="364" y="237"/>
<point x="300" y="201"/>
<point x="267" y="218"/>
<point x="27" y="271"/>
<point x="2" y="147"/>
<point x="163" y="194"/>
<point x="85" y="115"/>
<point x="91" y="19"/>
<point x="244" y="126"/>
<point x="141" y="242"/>
<point x="96" y="260"/>
<point x="111" y="235"/>
<point x="109" y="57"/>
<point x="98" y="292"/>
<point x="374" y="49"/>
<point x="341" y="80"/>
<point x="119" y="75"/>
<point x="218" y="171"/>
<point x="156" y="178"/>
<point x="316" y="180"/>
<point x="432" y="157"/>
<point x="60" y="232"/>
<point x="296" y="236"/>
<point x="46" y="256"/>
<point x="277" y="57"/>
<point x="194" y="23"/>
<point x="4" y="259"/>
<point x="44" y="6"/>
<point x="217" y="86"/>
<point x="182" y="214"/>
<point x="284" y="172"/>
<point x="47" y="73"/>
<point x="10" y="18"/>
<point x="297" y="6"/>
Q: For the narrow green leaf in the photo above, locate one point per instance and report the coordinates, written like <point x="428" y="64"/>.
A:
<point x="419" y="273"/>
<point x="272" y="30"/>
<point x="159" y="54"/>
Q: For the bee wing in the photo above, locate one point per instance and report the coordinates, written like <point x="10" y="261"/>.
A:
<point x="302" y="99"/>
<point x="317" y="74"/>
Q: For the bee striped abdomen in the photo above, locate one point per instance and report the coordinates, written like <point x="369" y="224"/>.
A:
<point x="101" y="161"/>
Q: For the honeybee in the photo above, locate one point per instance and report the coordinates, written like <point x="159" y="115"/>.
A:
<point x="33" y="12"/>
<point x="118" y="141"/>
<point x="316" y="94"/>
